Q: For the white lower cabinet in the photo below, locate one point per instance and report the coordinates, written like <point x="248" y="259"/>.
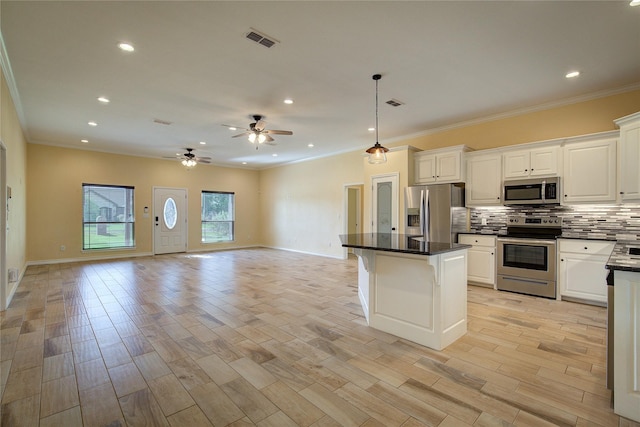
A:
<point x="581" y="269"/>
<point x="626" y="347"/>
<point x="481" y="259"/>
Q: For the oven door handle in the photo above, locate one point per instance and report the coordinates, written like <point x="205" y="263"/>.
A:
<point x="525" y="241"/>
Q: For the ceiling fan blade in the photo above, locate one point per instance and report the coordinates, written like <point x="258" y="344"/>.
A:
<point x="241" y="134"/>
<point x="270" y="143"/>
<point x="203" y="158"/>
<point x="260" y="124"/>
<point x="278" y="132"/>
<point x="268" y="139"/>
<point x="204" y="161"/>
<point x="171" y="157"/>
<point x="236" y="127"/>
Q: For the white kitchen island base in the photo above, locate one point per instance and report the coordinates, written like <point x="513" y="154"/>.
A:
<point x="422" y="298"/>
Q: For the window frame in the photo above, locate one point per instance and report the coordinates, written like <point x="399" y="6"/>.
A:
<point x="232" y="221"/>
<point x="127" y="219"/>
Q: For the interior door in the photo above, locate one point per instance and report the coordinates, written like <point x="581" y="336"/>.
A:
<point x="170" y="220"/>
<point x="384" y="215"/>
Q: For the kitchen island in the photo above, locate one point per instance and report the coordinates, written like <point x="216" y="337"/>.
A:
<point x="410" y="288"/>
<point x="624" y="334"/>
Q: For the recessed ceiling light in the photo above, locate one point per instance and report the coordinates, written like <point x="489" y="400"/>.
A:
<point x="104" y="100"/>
<point x="288" y="101"/>
<point x="309" y="145"/>
<point x="232" y="128"/>
<point x="244" y="163"/>
<point x="274" y="155"/>
<point x="84" y="141"/>
<point x="127" y="47"/>
<point x="371" y="129"/>
<point x="203" y="143"/>
<point x="634" y="3"/>
<point x="92" y="124"/>
<point x="572" y="74"/>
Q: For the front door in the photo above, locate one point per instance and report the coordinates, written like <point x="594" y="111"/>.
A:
<point x="384" y="215"/>
<point x="170" y="220"/>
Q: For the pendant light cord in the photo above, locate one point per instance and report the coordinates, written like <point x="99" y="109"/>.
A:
<point x="377" y="77"/>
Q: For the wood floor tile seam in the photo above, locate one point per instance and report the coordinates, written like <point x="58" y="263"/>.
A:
<point x="318" y="319"/>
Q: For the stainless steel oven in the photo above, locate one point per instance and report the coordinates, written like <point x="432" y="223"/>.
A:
<point x="527" y="256"/>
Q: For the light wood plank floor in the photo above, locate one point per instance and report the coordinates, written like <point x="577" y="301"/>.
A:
<point x="272" y="338"/>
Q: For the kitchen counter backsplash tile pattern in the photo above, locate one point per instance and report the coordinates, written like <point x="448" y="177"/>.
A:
<point x="607" y="222"/>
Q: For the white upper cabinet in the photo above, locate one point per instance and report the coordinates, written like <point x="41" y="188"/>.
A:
<point x="484" y="180"/>
<point x="439" y="166"/>
<point x="589" y="172"/>
<point x="542" y="161"/>
<point x="629" y="158"/>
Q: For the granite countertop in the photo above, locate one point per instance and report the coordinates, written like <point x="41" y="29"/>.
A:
<point x="402" y="243"/>
<point x="620" y="258"/>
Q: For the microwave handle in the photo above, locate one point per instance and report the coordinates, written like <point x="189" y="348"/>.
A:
<point x="544" y="190"/>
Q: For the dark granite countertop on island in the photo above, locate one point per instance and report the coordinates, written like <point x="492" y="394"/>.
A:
<point x="620" y="258"/>
<point x="402" y="243"/>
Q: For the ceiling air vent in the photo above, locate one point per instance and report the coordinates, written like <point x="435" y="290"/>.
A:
<point x="162" y="122"/>
<point x="261" y="38"/>
<point x="395" y="102"/>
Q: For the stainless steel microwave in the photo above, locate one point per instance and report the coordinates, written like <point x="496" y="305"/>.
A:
<point x="539" y="191"/>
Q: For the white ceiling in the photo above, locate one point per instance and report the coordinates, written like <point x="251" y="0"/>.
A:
<point x="193" y="66"/>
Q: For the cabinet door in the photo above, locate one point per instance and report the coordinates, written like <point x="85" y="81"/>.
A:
<point x="583" y="276"/>
<point x="484" y="178"/>
<point x="481" y="265"/>
<point x="425" y="169"/>
<point x="516" y="164"/>
<point x="448" y="167"/>
<point x="544" y="161"/>
<point x="590" y="172"/>
<point x="629" y="161"/>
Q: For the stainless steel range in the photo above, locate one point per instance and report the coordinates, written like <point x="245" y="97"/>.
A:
<point x="527" y="255"/>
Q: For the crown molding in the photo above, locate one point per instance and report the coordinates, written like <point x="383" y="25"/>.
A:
<point x="519" y="112"/>
<point x="5" y="64"/>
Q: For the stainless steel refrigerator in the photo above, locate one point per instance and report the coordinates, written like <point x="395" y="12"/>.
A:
<point x="435" y="212"/>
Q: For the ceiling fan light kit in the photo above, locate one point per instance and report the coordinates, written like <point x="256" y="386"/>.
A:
<point x="377" y="153"/>
<point x="256" y="133"/>
<point x="190" y="160"/>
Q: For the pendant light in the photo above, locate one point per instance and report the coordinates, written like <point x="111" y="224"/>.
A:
<point x="377" y="152"/>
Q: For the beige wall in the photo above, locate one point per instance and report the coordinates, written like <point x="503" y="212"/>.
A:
<point x="596" y="115"/>
<point x="56" y="175"/>
<point x="303" y="204"/>
<point x="16" y="158"/>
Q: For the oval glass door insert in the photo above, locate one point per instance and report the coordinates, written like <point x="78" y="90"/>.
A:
<point x="170" y="213"/>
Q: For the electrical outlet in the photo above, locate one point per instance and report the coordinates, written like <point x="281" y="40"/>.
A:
<point x="484" y="221"/>
<point x="63" y="248"/>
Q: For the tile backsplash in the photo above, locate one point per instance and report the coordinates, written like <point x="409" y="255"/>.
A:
<point x="610" y="222"/>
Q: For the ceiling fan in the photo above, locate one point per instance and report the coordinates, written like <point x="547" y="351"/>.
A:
<point x="189" y="159"/>
<point x="257" y="133"/>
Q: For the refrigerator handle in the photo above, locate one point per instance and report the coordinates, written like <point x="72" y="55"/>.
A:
<point x="424" y="214"/>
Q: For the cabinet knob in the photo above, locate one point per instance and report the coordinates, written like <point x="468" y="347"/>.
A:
<point x="562" y="259"/>
<point x="622" y="192"/>
<point x="526" y="170"/>
<point x="565" y="195"/>
<point x="491" y="253"/>
<point x="585" y="248"/>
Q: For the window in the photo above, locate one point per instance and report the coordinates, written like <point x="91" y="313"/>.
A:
<point x="218" y="216"/>
<point x="108" y="221"/>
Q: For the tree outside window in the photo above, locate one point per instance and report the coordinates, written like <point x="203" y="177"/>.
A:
<point x="108" y="217"/>
<point x="218" y="216"/>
